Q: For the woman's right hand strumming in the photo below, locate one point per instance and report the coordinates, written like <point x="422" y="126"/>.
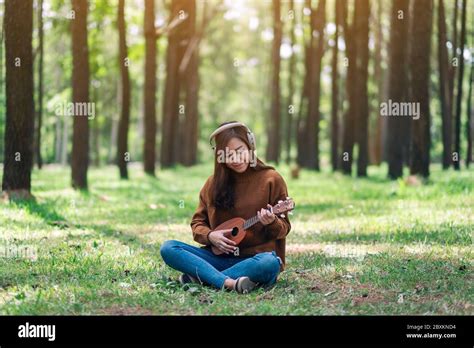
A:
<point x="220" y="241"/>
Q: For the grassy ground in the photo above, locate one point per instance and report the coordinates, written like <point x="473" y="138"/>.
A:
<point x="358" y="246"/>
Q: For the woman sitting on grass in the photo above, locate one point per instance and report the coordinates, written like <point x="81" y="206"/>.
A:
<point x="242" y="186"/>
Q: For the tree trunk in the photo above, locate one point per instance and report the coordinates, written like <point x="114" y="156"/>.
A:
<point x="190" y="140"/>
<point x="311" y="126"/>
<point x="419" y="63"/>
<point x="379" y="76"/>
<point x="123" y="155"/>
<point x="184" y="36"/>
<point x="96" y="133"/>
<point x="454" y="48"/>
<point x="113" y="135"/>
<point x="335" y="92"/>
<point x="397" y="126"/>
<point x="445" y="94"/>
<point x="65" y="141"/>
<point x="170" y="124"/>
<point x="457" y="125"/>
<point x="191" y="83"/>
<point x="348" y="138"/>
<point x="301" y="126"/>
<point x="469" y="125"/>
<point x="39" y="122"/>
<point x="453" y="64"/>
<point x="362" y="125"/>
<point x="273" y="125"/>
<point x="150" y="89"/>
<point x="80" y="95"/>
<point x="57" y="140"/>
<point x="2" y="88"/>
<point x="19" y="126"/>
<point x="291" y="86"/>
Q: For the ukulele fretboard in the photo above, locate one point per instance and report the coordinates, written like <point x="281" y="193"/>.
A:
<point x="250" y="222"/>
<point x="280" y="208"/>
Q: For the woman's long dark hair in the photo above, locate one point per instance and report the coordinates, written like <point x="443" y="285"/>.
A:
<point x="223" y="182"/>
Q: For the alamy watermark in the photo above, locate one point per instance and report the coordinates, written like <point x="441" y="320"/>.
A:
<point x="28" y="330"/>
<point x="82" y="109"/>
<point x="391" y="108"/>
<point x="10" y="250"/>
<point x="241" y="156"/>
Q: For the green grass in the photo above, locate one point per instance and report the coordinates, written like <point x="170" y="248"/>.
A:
<point x="358" y="246"/>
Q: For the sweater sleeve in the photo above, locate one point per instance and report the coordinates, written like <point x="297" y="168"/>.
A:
<point x="280" y="227"/>
<point x="200" y="221"/>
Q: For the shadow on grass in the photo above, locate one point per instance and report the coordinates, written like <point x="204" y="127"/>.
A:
<point x="45" y="210"/>
<point x="133" y="240"/>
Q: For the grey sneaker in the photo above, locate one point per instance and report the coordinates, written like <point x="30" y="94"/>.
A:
<point x="244" y="285"/>
<point x="187" y="279"/>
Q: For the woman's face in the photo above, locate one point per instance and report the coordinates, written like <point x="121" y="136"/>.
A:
<point x="237" y="155"/>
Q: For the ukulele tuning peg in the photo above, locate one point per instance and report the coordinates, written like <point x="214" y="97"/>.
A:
<point x="282" y="215"/>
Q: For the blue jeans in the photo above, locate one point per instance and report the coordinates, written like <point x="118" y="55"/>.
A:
<point x="201" y="263"/>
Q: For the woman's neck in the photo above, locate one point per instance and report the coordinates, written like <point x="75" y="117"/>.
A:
<point x="244" y="176"/>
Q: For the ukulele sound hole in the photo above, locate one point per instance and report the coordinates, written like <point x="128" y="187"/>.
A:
<point x="235" y="230"/>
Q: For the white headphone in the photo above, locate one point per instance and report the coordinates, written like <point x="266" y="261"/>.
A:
<point x="250" y="135"/>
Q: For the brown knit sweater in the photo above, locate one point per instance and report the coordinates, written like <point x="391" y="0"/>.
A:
<point x="253" y="190"/>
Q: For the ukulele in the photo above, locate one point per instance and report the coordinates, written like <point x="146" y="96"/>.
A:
<point x="239" y="226"/>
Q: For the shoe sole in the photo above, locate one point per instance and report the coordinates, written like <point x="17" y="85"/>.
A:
<point x="246" y="285"/>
